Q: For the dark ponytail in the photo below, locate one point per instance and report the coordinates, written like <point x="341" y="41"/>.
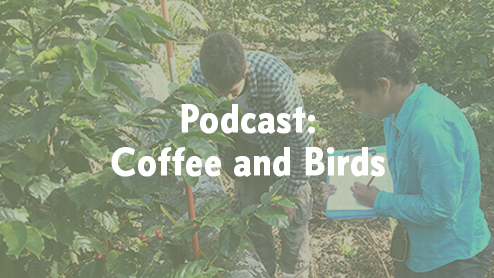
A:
<point x="374" y="54"/>
<point x="408" y="44"/>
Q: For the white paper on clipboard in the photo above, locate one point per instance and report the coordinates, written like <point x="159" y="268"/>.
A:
<point x="342" y="204"/>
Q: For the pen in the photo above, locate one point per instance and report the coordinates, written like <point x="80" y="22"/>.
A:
<point x="368" y="184"/>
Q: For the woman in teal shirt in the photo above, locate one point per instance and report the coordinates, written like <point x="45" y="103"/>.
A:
<point x="432" y="155"/>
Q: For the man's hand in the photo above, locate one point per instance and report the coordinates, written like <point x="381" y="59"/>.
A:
<point x="365" y="195"/>
<point x="289" y="211"/>
<point x="327" y="190"/>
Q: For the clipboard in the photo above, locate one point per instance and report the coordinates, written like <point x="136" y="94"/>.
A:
<point x="342" y="205"/>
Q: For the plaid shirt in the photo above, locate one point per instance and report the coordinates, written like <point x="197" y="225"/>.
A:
<point x="272" y="89"/>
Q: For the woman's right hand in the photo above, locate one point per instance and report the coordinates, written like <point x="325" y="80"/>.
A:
<point x="327" y="190"/>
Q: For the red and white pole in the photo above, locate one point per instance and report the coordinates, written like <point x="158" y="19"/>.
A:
<point x="173" y="76"/>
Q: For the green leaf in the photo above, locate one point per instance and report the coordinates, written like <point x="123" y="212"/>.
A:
<point x="46" y="228"/>
<point x="191" y="97"/>
<point x="38" y="84"/>
<point x="7" y="123"/>
<point x="194" y="269"/>
<point x="111" y="258"/>
<point x="244" y="244"/>
<point x="122" y="263"/>
<point x="274" y="216"/>
<point x="42" y="187"/>
<point x="192" y="181"/>
<point x="12" y="191"/>
<point x="144" y="185"/>
<point x="100" y="30"/>
<point x="228" y="242"/>
<point x="89" y="194"/>
<point x="36" y="151"/>
<point x="198" y="89"/>
<point x="94" y="269"/>
<point x="67" y="66"/>
<point x="15" y="236"/>
<point x="43" y="121"/>
<point x="89" y="55"/>
<point x="8" y="214"/>
<point x="124" y="57"/>
<point x="54" y="270"/>
<point x="129" y="23"/>
<point x="265" y="197"/>
<point x="13" y="87"/>
<point x="250" y="209"/>
<point x="84" y="244"/>
<point x="94" y="11"/>
<point x="77" y="179"/>
<point x="201" y="147"/>
<point x="151" y="37"/>
<point x="58" y="52"/>
<point x="241" y="227"/>
<point x="126" y="85"/>
<point x="106" y="43"/>
<point x="109" y="113"/>
<point x="73" y="25"/>
<point x="21" y="128"/>
<point x="148" y="28"/>
<point x="109" y="221"/>
<point x="35" y="242"/>
<point x="93" y="81"/>
<point x="76" y="161"/>
<point x="19" y="67"/>
<point x="58" y="83"/>
<point x="142" y="16"/>
<point x="65" y="231"/>
<point x="118" y="33"/>
<point x="4" y="53"/>
<point x="7" y="267"/>
<point x="214" y="205"/>
<point x="19" y="178"/>
<point x="83" y="9"/>
<point x="95" y="150"/>
<point x="169" y="128"/>
<point x="481" y="59"/>
<point x="163" y="27"/>
<point x="217" y="137"/>
<point x="216" y="222"/>
<point x="283" y="202"/>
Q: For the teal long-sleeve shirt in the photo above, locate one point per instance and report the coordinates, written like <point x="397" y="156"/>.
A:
<point x="434" y="162"/>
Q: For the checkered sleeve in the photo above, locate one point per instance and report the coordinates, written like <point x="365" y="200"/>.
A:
<point x="287" y="101"/>
<point x="196" y="76"/>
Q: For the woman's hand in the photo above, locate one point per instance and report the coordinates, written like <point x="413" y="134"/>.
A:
<point x="327" y="190"/>
<point x="365" y="195"/>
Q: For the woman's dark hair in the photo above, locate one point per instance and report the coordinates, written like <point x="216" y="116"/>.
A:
<point x="374" y="54"/>
<point x="222" y="60"/>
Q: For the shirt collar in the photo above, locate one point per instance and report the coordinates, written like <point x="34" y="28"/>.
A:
<point x="403" y="118"/>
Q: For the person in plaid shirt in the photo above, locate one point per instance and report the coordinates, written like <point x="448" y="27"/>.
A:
<point x="261" y="83"/>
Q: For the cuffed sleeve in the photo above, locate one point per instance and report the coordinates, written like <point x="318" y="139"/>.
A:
<point x="288" y="100"/>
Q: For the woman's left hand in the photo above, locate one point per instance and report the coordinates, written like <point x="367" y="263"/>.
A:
<point x="365" y="195"/>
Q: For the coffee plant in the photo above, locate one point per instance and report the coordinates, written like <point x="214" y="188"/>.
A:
<point x="67" y="103"/>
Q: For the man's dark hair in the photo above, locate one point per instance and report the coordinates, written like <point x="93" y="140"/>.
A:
<point x="374" y="54"/>
<point x="222" y="60"/>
